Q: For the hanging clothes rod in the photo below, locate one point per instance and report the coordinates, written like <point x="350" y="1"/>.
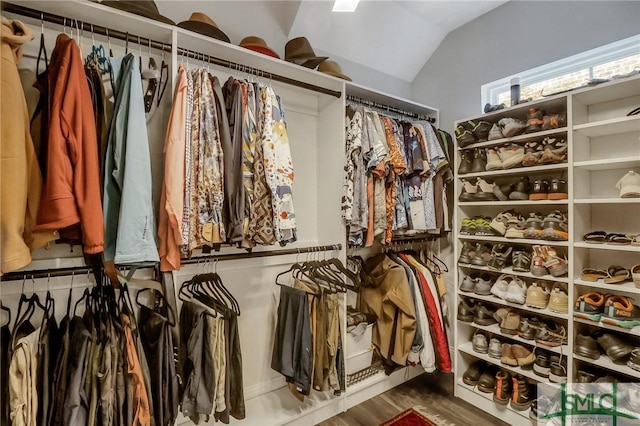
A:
<point x="84" y="26"/>
<point x="255" y="71"/>
<point x="79" y="270"/>
<point x="389" y="108"/>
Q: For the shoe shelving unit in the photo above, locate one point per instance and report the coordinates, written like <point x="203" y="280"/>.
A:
<point x="603" y="145"/>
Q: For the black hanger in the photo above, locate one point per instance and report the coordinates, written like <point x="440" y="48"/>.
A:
<point x="164" y="71"/>
<point x="171" y="319"/>
<point x="8" y="311"/>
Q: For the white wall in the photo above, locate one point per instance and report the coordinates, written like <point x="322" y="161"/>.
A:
<point x="514" y="37"/>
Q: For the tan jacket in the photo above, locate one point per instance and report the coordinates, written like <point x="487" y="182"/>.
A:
<point x="389" y="298"/>
<point x="20" y="177"/>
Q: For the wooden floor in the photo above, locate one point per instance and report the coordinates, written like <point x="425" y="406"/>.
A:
<point x="429" y="394"/>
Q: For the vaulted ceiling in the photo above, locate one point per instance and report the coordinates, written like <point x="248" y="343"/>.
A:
<point x="390" y="36"/>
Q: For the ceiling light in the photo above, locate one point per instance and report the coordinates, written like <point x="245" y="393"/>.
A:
<point x="345" y="5"/>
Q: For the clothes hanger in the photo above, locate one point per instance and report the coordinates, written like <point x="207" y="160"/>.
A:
<point x="164" y="70"/>
<point x="8" y="311"/>
<point x="152" y="75"/>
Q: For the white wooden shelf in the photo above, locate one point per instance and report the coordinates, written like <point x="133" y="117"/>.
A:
<point x="605" y="246"/>
<point x="509" y="270"/>
<point x="514" y="203"/>
<point x="498" y="239"/>
<point x="479" y="399"/>
<point x="632" y="331"/>
<point x="610" y="91"/>
<point x="625" y="287"/>
<point x="606" y="200"/>
<point x="609" y="163"/>
<point x="606" y="362"/>
<point x="520" y="139"/>
<point x="495" y="329"/>
<point x="609" y="127"/>
<point x="497" y="301"/>
<point x="517" y="171"/>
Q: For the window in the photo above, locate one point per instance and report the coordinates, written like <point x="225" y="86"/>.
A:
<point x="618" y="58"/>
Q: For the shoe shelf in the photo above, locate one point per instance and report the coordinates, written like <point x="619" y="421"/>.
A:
<point x="520" y="139"/>
<point x="513" y="240"/>
<point x="497" y="301"/>
<point x="468" y="349"/>
<point x="609" y="163"/>
<point x="631" y="331"/>
<point x="605" y="246"/>
<point x="608" y="364"/>
<point x="475" y="397"/>
<point x="609" y="127"/>
<point x="495" y="330"/>
<point x="515" y="203"/>
<point x="607" y="92"/>
<point x="509" y="270"/>
<point x="624" y="287"/>
<point x="605" y="200"/>
<point x="516" y="171"/>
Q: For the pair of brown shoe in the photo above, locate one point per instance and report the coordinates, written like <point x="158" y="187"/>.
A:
<point x="514" y="355"/>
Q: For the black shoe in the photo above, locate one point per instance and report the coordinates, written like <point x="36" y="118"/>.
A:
<point x="465" y="162"/>
<point x="586" y="346"/>
<point x="542" y="363"/>
<point x="558" y="190"/>
<point x="521" y="259"/>
<point x="634" y="360"/>
<point x="480" y="129"/>
<point x="558" y="370"/>
<point x="614" y="347"/>
<point x="464" y="135"/>
<point x="484" y="315"/>
<point x="540" y="190"/>
<point x="467" y="310"/>
<point x="523" y="393"/>
<point x="479" y="160"/>
<point x="500" y="256"/>
<point x="528" y="328"/>
<point x="473" y="373"/>
<point x="490" y="108"/>
<point x="522" y="189"/>
<point x="502" y="388"/>
<point x="502" y="192"/>
<point x="487" y="380"/>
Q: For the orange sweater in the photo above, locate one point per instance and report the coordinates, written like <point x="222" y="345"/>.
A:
<point x="71" y="193"/>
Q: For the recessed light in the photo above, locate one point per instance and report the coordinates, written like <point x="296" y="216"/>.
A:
<point x="345" y="5"/>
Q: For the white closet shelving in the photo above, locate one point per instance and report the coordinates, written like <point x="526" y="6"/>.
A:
<point x="316" y="128"/>
<point x="603" y="144"/>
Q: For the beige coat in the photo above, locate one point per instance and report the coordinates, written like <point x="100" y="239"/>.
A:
<point x="23" y="397"/>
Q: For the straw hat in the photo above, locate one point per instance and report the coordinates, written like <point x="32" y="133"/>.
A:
<point x="299" y="51"/>
<point x="258" y="45"/>
<point x="202" y="24"/>
<point x="332" y="68"/>
<point x="146" y="8"/>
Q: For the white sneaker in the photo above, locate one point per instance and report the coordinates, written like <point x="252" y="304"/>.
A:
<point x="516" y="291"/>
<point x="629" y="185"/>
<point x="511" y="156"/>
<point x="499" y="289"/>
<point x="493" y="160"/>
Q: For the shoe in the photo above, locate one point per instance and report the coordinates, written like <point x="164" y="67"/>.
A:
<point x="620" y="311"/>
<point x="533" y="226"/>
<point x="501" y="314"/>
<point x="493" y="160"/>
<point x="510" y="323"/>
<point x="521" y="259"/>
<point x="542" y="364"/>
<point x="466" y="310"/>
<point x="537" y="262"/>
<point x="558" y="371"/>
<point x="524" y="356"/>
<point x="586" y="346"/>
<point x="555" y="227"/>
<point x="469" y="191"/>
<point x="629" y="185"/>
<point x="468" y="284"/>
<point x="485" y="190"/>
<point x="559" y="299"/>
<point x="556" y="265"/>
<point x="495" y="348"/>
<point x="473" y="373"/>
<point x="487" y="380"/>
<point x="500" y="256"/>
<point x="491" y="108"/>
<point x="468" y="252"/>
<point x="511" y="156"/>
<point x="523" y="393"/>
<point x="483" y="226"/>
<point x="511" y="126"/>
<point x="540" y="190"/>
<point x="464" y="135"/>
<point x="483" y="315"/>
<point x="499" y="223"/>
<point x="468" y="226"/>
<point x="582" y="381"/>
<point x="502" y="388"/>
<point x="465" y="162"/>
<point x="495" y="133"/>
<point x="537" y="296"/>
<point x="540" y="407"/>
<point x="554" y="121"/>
<point x="534" y="120"/>
<point x="589" y="306"/>
<point x="480" y="129"/>
<point x="515" y="227"/>
<point x="483" y="285"/>
<point x="479" y="163"/>
<point x="479" y="342"/>
<point x="532" y="153"/>
<point x="521" y="190"/>
<point x="558" y="189"/>
<point x="502" y="192"/>
<point x="516" y="291"/>
<point x="508" y="358"/>
<point x="634" y="360"/>
<point x="551" y="334"/>
<point x="482" y="254"/>
<point x="555" y="151"/>
<point x="499" y="288"/>
<point x="528" y="328"/>
<point x="614" y="347"/>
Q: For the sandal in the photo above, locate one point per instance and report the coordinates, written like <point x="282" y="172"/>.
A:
<point x="635" y="239"/>
<point x="617" y="274"/>
<point x="615" y="238"/>
<point x="595" y="237"/>
<point x="593" y="274"/>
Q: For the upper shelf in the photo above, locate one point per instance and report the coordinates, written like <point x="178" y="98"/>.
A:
<point x="610" y="91"/>
<point x="551" y="105"/>
<point x="518" y="171"/>
<point x="609" y="127"/>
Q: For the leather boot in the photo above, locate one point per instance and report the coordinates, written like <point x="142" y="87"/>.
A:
<point x="502" y="388"/>
<point x="523" y="393"/>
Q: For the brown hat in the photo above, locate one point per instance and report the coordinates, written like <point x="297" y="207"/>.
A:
<point x="202" y="24"/>
<point x="332" y="68"/>
<point x="258" y="45"/>
<point x="299" y="51"/>
<point x="146" y="8"/>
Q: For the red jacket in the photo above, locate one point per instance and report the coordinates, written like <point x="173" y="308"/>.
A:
<point x="71" y="193"/>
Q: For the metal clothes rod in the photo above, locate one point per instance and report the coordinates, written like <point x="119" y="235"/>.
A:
<point x="83" y="26"/>
<point x="389" y="108"/>
<point x="244" y="68"/>
<point x="79" y="270"/>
